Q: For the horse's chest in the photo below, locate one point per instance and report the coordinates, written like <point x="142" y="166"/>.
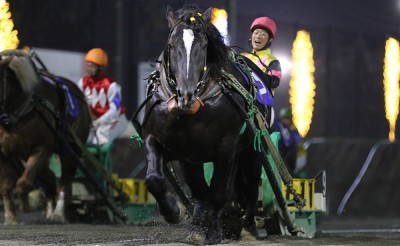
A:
<point x="185" y="138"/>
<point x="206" y="133"/>
<point x="197" y="138"/>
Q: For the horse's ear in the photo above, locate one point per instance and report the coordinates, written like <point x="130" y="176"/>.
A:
<point x="207" y="15"/>
<point x="171" y="17"/>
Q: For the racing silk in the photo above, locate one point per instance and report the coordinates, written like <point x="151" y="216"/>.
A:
<point x="103" y="95"/>
<point x="268" y="63"/>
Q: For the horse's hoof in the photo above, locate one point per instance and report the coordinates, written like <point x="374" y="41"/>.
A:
<point x="249" y="233"/>
<point x="57" y="218"/>
<point x="195" y="238"/>
<point x="183" y="214"/>
<point x="260" y="222"/>
<point x="49" y="209"/>
<point x="10" y="218"/>
<point x="212" y="241"/>
<point x="35" y="199"/>
<point x="178" y="216"/>
<point x="10" y="222"/>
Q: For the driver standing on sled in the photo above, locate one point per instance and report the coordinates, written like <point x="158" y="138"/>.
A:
<point x="263" y="32"/>
<point x="103" y="96"/>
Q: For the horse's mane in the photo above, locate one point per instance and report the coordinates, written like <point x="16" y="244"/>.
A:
<point x="23" y="68"/>
<point x="217" y="51"/>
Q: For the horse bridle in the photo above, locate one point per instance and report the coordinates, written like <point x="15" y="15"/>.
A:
<point x="11" y="118"/>
<point x="6" y="120"/>
<point x="166" y="59"/>
<point x="4" y="96"/>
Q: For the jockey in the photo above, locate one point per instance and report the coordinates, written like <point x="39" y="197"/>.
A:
<point x="263" y="32"/>
<point x="103" y="96"/>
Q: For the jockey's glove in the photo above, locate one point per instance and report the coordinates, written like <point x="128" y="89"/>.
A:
<point x="96" y="124"/>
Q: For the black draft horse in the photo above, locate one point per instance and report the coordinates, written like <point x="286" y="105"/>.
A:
<point x="191" y="119"/>
<point x="34" y="124"/>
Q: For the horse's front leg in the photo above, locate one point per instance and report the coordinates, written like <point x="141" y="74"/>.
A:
<point x="26" y="182"/>
<point x="6" y="188"/>
<point x="155" y="182"/>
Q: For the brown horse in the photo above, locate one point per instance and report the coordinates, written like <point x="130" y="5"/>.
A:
<point x="37" y="113"/>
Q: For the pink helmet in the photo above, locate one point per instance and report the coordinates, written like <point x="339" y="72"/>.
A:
<point x="265" y="23"/>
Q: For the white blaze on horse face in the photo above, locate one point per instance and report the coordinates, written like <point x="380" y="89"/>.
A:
<point x="188" y="37"/>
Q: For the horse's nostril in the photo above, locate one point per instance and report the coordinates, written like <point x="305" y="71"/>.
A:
<point x="179" y="93"/>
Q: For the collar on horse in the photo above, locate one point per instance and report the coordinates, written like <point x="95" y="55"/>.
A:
<point x="226" y="80"/>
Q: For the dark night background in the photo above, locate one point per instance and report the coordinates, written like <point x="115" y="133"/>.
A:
<point x="348" y="39"/>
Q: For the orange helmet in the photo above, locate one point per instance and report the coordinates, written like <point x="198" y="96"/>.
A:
<point x="264" y="23"/>
<point x="97" y="56"/>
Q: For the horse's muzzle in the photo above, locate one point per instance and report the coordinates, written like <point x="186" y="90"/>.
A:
<point x="176" y="107"/>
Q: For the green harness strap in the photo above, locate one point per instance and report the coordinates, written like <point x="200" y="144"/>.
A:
<point x="250" y="96"/>
<point x="231" y="82"/>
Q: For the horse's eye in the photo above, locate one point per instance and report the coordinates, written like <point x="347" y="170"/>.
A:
<point x="170" y="46"/>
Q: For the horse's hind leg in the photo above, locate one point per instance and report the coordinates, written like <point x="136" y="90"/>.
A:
<point x="247" y="188"/>
<point x="6" y="188"/>
<point x="49" y="185"/>
<point x="194" y="177"/>
<point x="64" y="189"/>
<point x="155" y="182"/>
<point x="220" y="191"/>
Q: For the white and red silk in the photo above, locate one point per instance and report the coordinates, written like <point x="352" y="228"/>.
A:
<point x="101" y="94"/>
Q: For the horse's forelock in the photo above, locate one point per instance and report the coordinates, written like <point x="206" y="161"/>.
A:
<point x="25" y="72"/>
<point x="190" y="14"/>
<point x="187" y="10"/>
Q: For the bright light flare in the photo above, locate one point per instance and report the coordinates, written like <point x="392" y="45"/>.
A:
<point x="391" y="76"/>
<point x="285" y="61"/>
<point x="220" y="21"/>
<point x="8" y="36"/>
<point x="302" y="86"/>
